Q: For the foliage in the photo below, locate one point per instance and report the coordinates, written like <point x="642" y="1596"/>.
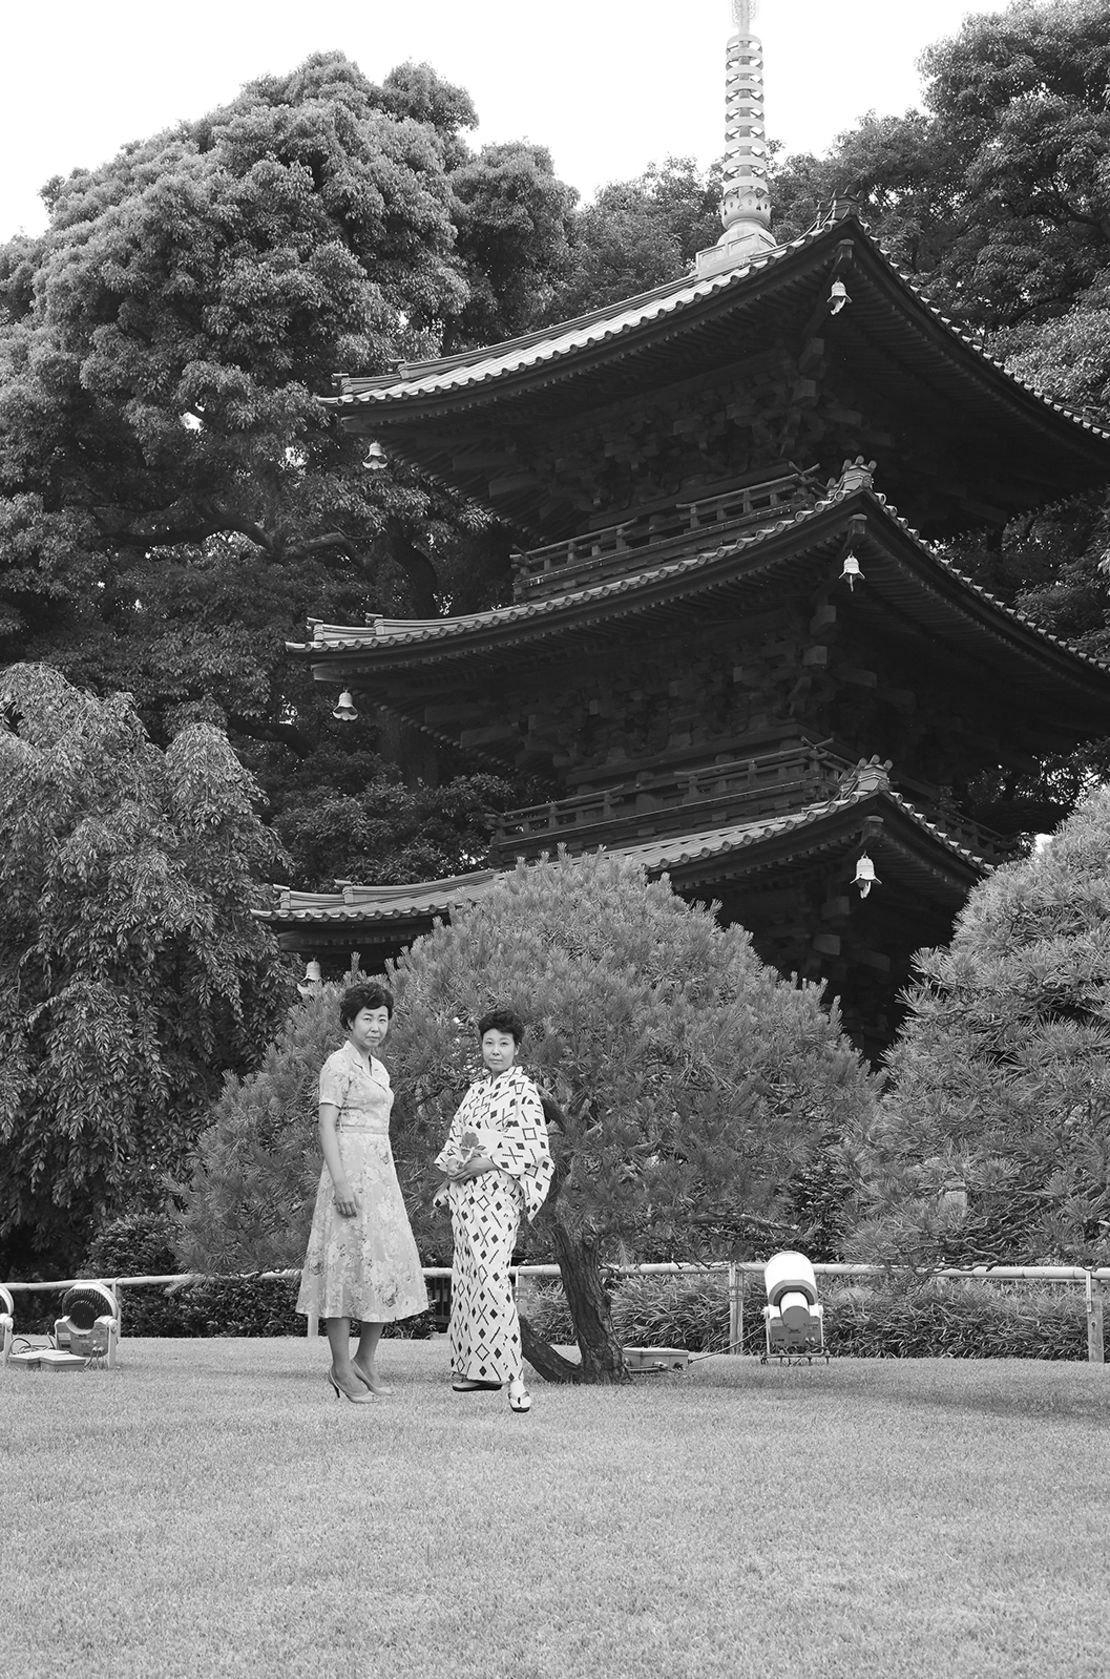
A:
<point x="253" y="1176"/>
<point x="639" y="234"/>
<point x="692" y="1080"/>
<point x="999" y="193"/>
<point x="132" y="972"/>
<point x="380" y="832"/>
<point x="174" y="497"/>
<point x="938" y="1319"/>
<point x="512" y="217"/>
<point x="993" y="1140"/>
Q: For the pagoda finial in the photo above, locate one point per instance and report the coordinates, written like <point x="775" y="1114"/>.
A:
<point x="746" y="200"/>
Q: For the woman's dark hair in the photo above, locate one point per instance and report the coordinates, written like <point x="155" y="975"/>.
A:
<point x="502" y="1020"/>
<point x="359" y="997"/>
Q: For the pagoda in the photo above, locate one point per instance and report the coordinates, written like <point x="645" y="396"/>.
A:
<point x="736" y="649"/>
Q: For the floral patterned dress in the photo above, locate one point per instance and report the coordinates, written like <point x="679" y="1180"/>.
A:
<point x="366" y="1267"/>
<point x="484" y="1331"/>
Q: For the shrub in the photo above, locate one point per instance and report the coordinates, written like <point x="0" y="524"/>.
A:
<point x="993" y="1140"/>
<point x="936" y="1319"/>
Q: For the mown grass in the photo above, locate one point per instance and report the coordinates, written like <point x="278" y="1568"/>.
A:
<point x="207" y="1510"/>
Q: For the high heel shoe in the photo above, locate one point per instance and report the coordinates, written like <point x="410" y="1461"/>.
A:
<point x="380" y="1388"/>
<point x="341" y="1393"/>
<point x="520" y="1400"/>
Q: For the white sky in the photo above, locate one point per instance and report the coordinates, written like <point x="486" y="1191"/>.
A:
<point x="607" y="85"/>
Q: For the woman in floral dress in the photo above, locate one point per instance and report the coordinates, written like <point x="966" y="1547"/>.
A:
<point x="498" y="1166"/>
<point x="361" y="1261"/>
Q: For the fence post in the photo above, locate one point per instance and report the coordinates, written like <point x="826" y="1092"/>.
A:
<point x="312" y="1325"/>
<point x="735" y="1309"/>
<point x="1096" y="1348"/>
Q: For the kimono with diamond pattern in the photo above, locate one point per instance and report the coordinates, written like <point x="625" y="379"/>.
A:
<point x="484" y="1331"/>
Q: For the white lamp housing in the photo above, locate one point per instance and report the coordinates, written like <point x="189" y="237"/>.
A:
<point x="792" y="1317"/>
<point x="90" y="1323"/>
<point x="7" y="1323"/>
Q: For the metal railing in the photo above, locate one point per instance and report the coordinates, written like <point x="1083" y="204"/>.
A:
<point x="1094" y="1281"/>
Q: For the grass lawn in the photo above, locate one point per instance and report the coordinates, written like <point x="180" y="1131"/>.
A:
<point x="210" y="1509"/>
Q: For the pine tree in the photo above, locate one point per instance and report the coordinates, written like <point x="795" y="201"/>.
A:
<point x="993" y="1141"/>
<point x="693" y="1082"/>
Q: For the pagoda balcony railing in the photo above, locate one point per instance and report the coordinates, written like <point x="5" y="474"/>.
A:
<point x="656" y="537"/>
<point x="744" y="790"/>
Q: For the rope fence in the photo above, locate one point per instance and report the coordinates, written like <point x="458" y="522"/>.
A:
<point x="1094" y="1283"/>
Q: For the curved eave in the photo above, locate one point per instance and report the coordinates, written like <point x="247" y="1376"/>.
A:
<point x="918" y="855"/>
<point x="903" y="578"/>
<point x="670" y="333"/>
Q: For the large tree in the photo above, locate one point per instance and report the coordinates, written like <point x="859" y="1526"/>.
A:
<point x="695" y="1085"/>
<point x="638" y="234"/>
<point x="132" y="972"/>
<point x="174" y="498"/>
<point x="992" y="1143"/>
<point x="998" y="193"/>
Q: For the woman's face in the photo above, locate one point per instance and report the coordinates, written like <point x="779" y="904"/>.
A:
<point x="368" y="1029"/>
<point x="498" y="1050"/>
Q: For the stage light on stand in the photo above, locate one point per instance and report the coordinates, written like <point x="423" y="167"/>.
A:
<point x="7" y="1323"/>
<point x="89" y="1327"/>
<point x="793" y="1319"/>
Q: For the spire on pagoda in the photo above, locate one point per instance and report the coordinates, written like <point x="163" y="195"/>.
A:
<point x="746" y="200"/>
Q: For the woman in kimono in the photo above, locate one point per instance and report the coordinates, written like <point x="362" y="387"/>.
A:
<point x="361" y="1261"/>
<point x="498" y="1166"/>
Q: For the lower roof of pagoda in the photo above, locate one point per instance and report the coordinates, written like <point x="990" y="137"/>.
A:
<point x="440" y="414"/>
<point x="909" y="850"/>
<point x="906" y="587"/>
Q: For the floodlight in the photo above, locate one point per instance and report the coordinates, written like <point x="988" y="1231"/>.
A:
<point x="7" y="1322"/>
<point x="90" y="1323"/>
<point x="792" y="1317"/>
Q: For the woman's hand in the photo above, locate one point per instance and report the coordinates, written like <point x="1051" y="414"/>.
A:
<point x="346" y="1201"/>
<point x="475" y="1167"/>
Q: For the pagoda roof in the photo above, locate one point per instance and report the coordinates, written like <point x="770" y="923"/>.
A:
<point x="917" y="853"/>
<point x="428" y="411"/>
<point x="903" y="578"/>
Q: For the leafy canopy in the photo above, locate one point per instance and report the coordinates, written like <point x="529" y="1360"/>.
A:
<point x="132" y="972"/>
<point x="694" y="1081"/>
<point x="993" y="1141"/>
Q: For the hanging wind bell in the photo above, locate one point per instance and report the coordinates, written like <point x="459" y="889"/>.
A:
<point x="345" y="711"/>
<point x="851" y="572"/>
<point x="313" y="979"/>
<point x="865" y="876"/>
<point x="838" y="297"/>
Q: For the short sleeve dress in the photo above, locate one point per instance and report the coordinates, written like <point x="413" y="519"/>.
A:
<point x="366" y="1267"/>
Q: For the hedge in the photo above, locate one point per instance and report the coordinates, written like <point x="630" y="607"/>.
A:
<point x="936" y="1319"/>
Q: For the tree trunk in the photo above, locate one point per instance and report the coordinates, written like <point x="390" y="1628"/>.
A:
<point x="543" y="1358"/>
<point x="601" y="1353"/>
